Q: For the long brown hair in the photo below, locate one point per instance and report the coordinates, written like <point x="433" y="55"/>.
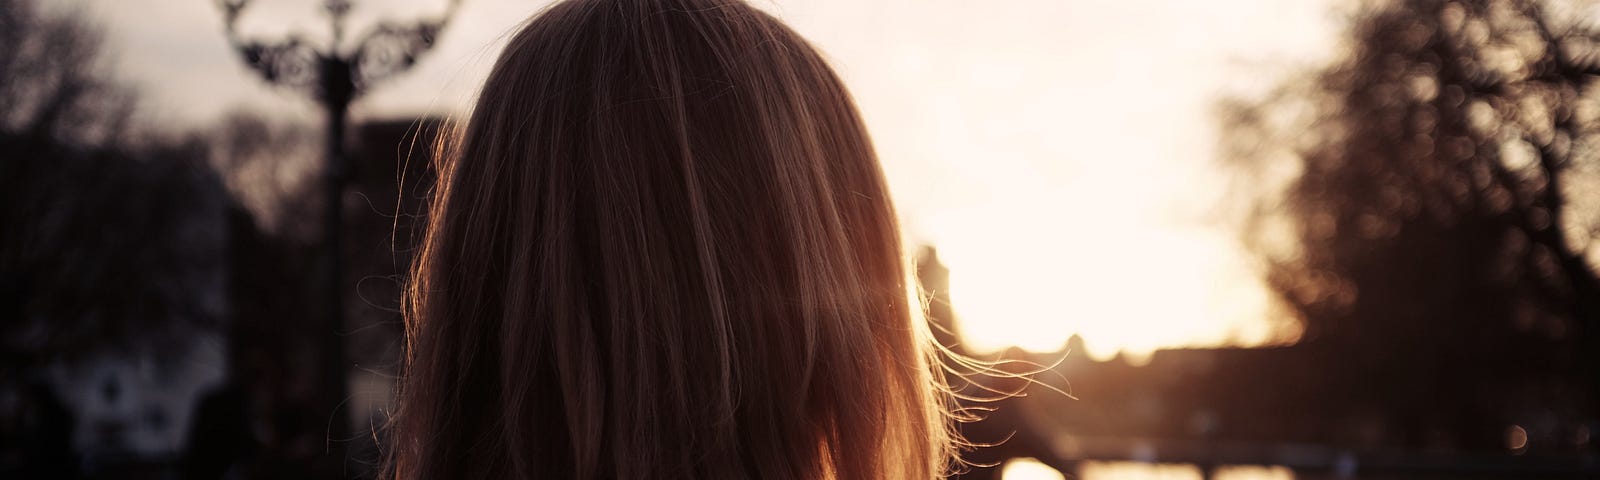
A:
<point x="662" y="247"/>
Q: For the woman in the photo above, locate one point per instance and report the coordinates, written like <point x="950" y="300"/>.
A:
<point x="662" y="247"/>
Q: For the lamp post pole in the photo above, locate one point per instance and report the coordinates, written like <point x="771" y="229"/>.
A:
<point x="337" y="92"/>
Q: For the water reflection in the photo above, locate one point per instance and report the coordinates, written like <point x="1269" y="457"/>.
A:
<point x="1029" y="469"/>
<point x="1140" y="471"/>
<point x="1254" y="472"/>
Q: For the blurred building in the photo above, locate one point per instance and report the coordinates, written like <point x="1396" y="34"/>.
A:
<point x="155" y="327"/>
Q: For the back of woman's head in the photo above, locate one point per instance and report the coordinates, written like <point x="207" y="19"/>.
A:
<point x="662" y="247"/>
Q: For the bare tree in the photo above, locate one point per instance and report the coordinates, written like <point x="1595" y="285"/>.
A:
<point x="1444" y="210"/>
<point x="113" y="266"/>
<point x="54" y="85"/>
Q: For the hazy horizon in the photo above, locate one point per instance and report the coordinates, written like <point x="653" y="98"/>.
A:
<point x="1004" y="128"/>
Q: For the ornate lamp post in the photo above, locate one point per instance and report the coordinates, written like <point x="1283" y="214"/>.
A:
<point x="334" y="74"/>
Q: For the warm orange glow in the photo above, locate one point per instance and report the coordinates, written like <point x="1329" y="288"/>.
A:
<point x="1031" y="272"/>
<point x="1071" y="107"/>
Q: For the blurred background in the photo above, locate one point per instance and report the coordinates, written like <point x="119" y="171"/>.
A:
<point x="1250" y="239"/>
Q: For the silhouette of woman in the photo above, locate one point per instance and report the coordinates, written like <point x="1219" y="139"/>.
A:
<point x="662" y="247"/>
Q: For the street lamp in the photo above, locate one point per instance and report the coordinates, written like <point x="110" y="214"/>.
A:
<point x="335" y="74"/>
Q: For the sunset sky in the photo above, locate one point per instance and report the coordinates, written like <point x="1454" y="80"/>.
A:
<point x="1060" y="153"/>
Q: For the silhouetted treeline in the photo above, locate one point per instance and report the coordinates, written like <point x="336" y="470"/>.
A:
<point x="1436" y="239"/>
<point x="113" y="267"/>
